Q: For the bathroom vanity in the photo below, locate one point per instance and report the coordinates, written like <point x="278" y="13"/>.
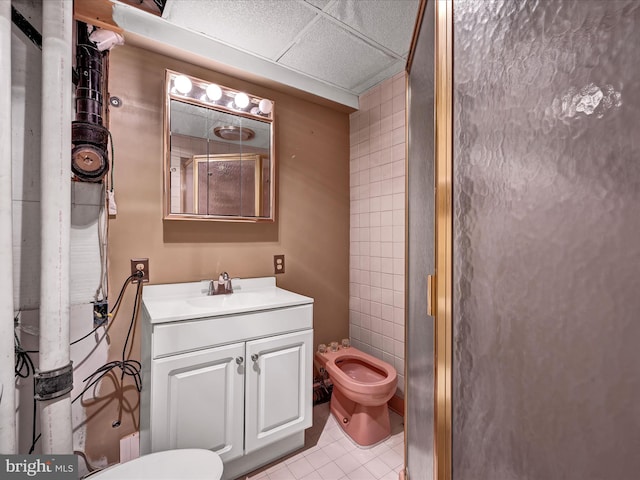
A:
<point x="230" y="373"/>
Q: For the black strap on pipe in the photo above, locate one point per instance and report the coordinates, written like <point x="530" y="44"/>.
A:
<point x="53" y="383"/>
<point x="160" y="4"/>
<point x="26" y="27"/>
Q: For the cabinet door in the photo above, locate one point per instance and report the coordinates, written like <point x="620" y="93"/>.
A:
<point x="278" y="388"/>
<point x="197" y="401"/>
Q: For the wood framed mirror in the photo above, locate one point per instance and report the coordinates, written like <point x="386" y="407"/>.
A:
<point x="218" y="151"/>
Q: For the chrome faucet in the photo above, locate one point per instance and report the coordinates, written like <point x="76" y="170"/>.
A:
<point x="221" y="286"/>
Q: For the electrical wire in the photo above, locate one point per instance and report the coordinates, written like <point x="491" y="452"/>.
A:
<point x="24" y="367"/>
<point x="113" y="159"/>
<point x="24" y="364"/>
<point x="129" y="367"/>
<point x="34" y="439"/>
<point x="124" y="286"/>
<point x="101" y="291"/>
<point x="115" y="306"/>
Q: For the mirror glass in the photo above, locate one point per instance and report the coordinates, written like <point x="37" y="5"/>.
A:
<point x="218" y="151"/>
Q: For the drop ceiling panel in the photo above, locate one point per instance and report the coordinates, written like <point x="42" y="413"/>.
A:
<point x="387" y="22"/>
<point x="336" y="49"/>
<point x="335" y="56"/>
<point x="262" y="27"/>
<point x="318" y="3"/>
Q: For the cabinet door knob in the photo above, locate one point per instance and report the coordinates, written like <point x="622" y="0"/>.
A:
<point x="254" y="357"/>
<point x="239" y="360"/>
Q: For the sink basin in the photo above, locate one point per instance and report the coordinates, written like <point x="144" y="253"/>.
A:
<point x="181" y="301"/>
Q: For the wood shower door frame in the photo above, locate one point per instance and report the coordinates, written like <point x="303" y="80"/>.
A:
<point x="444" y="238"/>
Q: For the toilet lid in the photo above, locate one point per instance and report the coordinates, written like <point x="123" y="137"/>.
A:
<point x="183" y="464"/>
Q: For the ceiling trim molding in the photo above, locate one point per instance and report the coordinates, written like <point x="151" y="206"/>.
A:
<point x="158" y="30"/>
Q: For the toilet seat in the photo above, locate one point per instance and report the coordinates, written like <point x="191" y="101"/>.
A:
<point x="183" y="464"/>
<point x="373" y="388"/>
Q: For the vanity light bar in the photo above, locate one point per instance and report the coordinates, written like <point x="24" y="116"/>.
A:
<point x="207" y="93"/>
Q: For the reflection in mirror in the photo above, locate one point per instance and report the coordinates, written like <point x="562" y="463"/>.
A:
<point x="219" y="153"/>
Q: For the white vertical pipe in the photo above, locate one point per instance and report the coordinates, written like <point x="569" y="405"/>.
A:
<point x="7" y="398"/>
<point x="57" y="33"/>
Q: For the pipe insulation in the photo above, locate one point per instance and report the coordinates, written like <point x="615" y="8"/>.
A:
<point x="57" y="47"/>
<point x="7" y="356"/>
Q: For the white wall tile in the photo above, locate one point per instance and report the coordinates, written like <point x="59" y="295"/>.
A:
<point x="386" y="137"/>
<point x="398" y="185"/>
<point x="398" y="332"/>
<point x="387" y="314"/>
<point x="398" y="283"/>
<point x="398" y="136"/>
<point x="398" y="300"/>
<point x="398" y="168"/>
<point x="386" y="265"/>
<point x="376" y="309"/>
<point x="365" y="306"/>
<point x="397" y="152"/>
<point x="376" y="189"/>
<point x="387" y="296"/>
<point x="375" y="204"/>
<point x="387" y="345"/>
<point x="398" y="217"/>
<point x="365" y="263"/>
<point x="376" y="294"/>
<point x="377" y="181"/>
<point x="386" y="218"/>
<point x="374" y="159"/>
<point x="398" y="266"/>
<point x="386" y="155"/>
<point x="398" y="233"/>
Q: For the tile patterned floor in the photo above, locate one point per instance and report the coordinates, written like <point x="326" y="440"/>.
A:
<point x="329" y="454"/>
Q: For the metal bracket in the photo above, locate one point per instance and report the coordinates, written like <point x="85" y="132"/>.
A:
<point x="53" y="383"/>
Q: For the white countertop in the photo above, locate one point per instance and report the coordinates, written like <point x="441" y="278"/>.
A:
<point x="185" y="301"/>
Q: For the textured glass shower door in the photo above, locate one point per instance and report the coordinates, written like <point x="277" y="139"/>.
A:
<point x="546" y="240"/>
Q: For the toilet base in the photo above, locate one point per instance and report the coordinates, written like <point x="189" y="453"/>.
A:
<point x="366" y="425"/>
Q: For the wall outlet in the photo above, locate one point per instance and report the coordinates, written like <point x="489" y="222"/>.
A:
<point x="278" y="264"/>
<point x="140" y="265"/>
<point x="100" y="313"/>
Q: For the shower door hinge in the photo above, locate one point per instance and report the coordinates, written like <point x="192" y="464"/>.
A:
<point x="431" y="295"/>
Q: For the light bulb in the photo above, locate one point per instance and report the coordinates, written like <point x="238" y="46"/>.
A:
<point x="214" y="92"/>
<point x="182" y="84"/>
<point x="255" y="110"/>
<point x="241" y="100"/>
<point x="265" y="106"/>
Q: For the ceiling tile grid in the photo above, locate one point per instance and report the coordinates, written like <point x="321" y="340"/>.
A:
<point x="387" y="22"/>
<point x="263" y="27"/>
<point x="334" y="55"/>
<point x="348" y="46"/>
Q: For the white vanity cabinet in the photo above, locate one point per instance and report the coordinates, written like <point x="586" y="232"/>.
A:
<point x="279" y="384"/>
<point x="199" y="401"/>
<point x="233" y="379"/>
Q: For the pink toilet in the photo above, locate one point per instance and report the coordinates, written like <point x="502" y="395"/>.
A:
<point x="362" y="386"/>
